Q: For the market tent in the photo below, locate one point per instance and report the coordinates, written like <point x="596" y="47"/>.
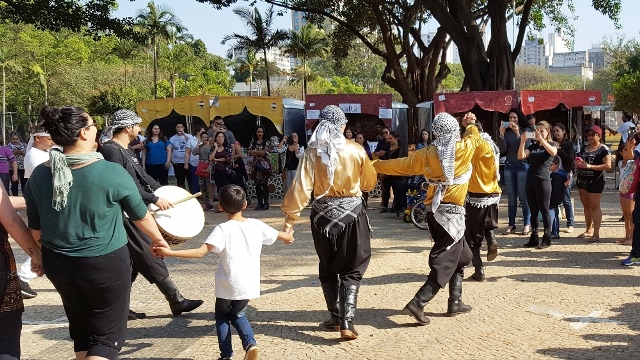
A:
<point x="207" y="107"/>
<point x="536" y="100"/>
<point x="459" y="102"/>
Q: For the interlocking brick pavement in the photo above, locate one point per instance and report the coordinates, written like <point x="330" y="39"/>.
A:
<point x="571" y="301"/>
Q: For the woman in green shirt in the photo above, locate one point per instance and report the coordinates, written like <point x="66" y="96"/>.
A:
<point x="78" y="221"/>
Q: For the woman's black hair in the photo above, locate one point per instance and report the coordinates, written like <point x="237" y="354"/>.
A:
<point x="420" y="140"/>
<point x="565" y="137"/>
<point x="161" y="136"/>
<point x="264" y="132"/>
<point x="64" y="124"/>
<point x="395" y="136"/>
<point x="215" y="138"/>
<point x="522" y="120"/>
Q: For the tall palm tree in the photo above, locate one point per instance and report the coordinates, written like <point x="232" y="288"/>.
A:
<point x="306" y="44"/>
<point x="250" y="64"/>
<point x="157" y="23"/>
<point x="125" y="50"/>
<point x="261" y="35"/>
<point x="7" y="62"/>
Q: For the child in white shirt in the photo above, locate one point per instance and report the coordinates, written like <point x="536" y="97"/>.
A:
<point x="239" y="242"/>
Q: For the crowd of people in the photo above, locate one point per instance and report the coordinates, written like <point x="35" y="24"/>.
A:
<point x="78" y="235"/>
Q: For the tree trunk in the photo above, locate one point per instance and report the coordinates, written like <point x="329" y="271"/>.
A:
<point x="125" y="74"/>
<point x="155" y="68"/>
<point x="250" y="80"/>
<point x="266" y="70"/>
<point x="304" y="78"/>
<point x="173" y="85"/>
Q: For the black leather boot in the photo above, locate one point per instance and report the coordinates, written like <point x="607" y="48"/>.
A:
<point x="348" y="301"/>
<point x="546" y="241"/>
<point x="415" y="307"/>
<point x="135" y="315"/>
<point x="492" y="245"/>
<point x="456" y="306"/>
<point x="533" y="239"/>
<point x="476" y="260"/>
<point x="330" y="291"/>
<point x="177" y="302"/>
<point x="265" y="201"/>
<point x="259" y="196"/>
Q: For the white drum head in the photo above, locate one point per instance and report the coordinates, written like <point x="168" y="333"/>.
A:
<point x="183" y="221"/>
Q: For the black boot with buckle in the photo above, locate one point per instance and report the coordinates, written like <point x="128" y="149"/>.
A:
<point x="533" y="239"/>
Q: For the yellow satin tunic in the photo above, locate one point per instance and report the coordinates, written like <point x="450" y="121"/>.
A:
<point x="425" y="161"/>
<point x="353" y="175"/>
<point x="484" y="176"/>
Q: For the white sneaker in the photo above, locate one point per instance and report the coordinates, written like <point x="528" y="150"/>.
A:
<point x="569" y="229"/>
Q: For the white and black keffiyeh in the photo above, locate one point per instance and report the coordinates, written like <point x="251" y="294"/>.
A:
<point x="122" y="119"/>
<point x="446" y="133"/>
<point x="496" y="151"/>
<point x="32" y="139"/>
<point x="334" y="214"/>
<point x="328" y="139"/>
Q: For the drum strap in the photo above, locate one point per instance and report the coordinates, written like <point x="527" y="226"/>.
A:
<point x="144" y="183"/>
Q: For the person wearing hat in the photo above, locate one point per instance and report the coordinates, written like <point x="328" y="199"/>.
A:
<point x="36" y="153"/>
<point x="593" y="160"/>
<point x="446" y="165"/>
<point x="125" y="127"/>
<point x="339" y="223"/>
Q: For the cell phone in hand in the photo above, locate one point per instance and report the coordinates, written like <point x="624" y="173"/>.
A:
<point x="530" y="135"/>
<point x="505" y="124"/>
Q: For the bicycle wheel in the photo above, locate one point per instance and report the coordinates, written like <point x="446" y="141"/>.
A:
<point x="419" y="215"/>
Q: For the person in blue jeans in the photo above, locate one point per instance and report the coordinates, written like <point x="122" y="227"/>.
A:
<point x="567" y="156"/>
<point x="239" y="245"/>
<point x="558" y="180"/>
<point x="515" y="170"/>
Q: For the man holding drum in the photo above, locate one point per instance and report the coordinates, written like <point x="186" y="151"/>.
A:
<point x="125" y="127"/>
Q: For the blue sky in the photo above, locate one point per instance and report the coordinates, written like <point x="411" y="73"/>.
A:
<point x="210" y="25"/>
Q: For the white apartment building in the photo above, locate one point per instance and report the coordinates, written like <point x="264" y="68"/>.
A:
<point x="555" y="45"/>
<point x="297" y="20"/>
<point x="275" y="55"/>
<point x="570" y="59"/>
<point x="597" y="57"/>
<point x="534" y="53"/>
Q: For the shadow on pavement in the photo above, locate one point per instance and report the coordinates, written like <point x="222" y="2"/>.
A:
<point x="606" y="346"/>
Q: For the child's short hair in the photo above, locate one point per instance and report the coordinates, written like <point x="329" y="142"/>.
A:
<point x="232" y="198"/>
<point x="556" y="160"/>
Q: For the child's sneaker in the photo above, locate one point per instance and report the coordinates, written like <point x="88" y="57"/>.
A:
<point x="252" y="353"/>
<point x="630" y="261"/>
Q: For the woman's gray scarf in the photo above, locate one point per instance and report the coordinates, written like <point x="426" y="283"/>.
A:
<point x="62" y="177"/>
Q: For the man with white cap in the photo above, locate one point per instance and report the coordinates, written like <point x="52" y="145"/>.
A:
<point x="337" y="171"/>
<point x="125" y="127"/>
<point x="446" y="164"/>
<point x="36" y="153"/>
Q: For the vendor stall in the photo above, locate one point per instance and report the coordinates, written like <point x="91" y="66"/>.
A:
<point x="241" y="114"/>
<point x="490" y="107"/>
<point x="363" y="111"/>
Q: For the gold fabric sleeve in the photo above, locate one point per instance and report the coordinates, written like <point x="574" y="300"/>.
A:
<point x="354" y="174"/>
<point x="425" y="161"/>
<point x="484" y="178"/>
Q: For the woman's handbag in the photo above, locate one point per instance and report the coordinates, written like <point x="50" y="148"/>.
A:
<point x="203" y="170"/>
<point x="263" y="165"/>
<point x="626" y="179"/>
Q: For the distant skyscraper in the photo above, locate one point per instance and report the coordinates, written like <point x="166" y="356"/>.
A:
<point x="556" y="45"/>
<point x="297" y="20"/>
<point x="533" y="52"/>
<point x="598" y="58"/>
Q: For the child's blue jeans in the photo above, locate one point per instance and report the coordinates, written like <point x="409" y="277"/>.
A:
<point x="232" y="312"/>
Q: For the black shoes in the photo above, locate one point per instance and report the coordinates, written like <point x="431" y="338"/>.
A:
<point x="384" y="210"/>
<point x="330" y="292"/>
<point x="415" y="307"/>
<point x="479" y="274"/>
<point x="492" y="245"/>
<point x="533" y="240"/>
<point x="135" y="315"/>
<point x="26" y="290"/>
<point x="455" y="305"/>
<point x="545" y="243"/>
<point x="348" y="300"/>
<point x="177" y="303"/>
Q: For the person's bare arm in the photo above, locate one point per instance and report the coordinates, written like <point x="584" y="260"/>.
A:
<point x="186" y="254"/>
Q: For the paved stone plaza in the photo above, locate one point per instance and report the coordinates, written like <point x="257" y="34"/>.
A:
<point x="571" y="301"/>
